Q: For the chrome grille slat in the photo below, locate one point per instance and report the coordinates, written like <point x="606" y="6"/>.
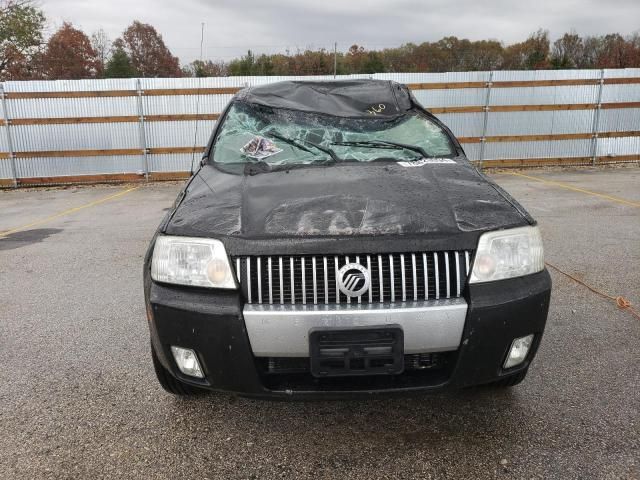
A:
<point x="304" y="282"/>
<point x="394" y="277"/>
<point x="381" y="278"/>
<point x="360" y="297"/>
<point x="293" y="284"/>
<point x="437" y="275"/>
<point x="259" y="280"/>
<point x="446" y="267"/>
<point x="281" y="280"/>
<point x="326" y="281"/>
<point x="426" y="276"/>
<point x="335" y="264"/>
<point x="457" y="274"/>
<point x="370" y="286"/>
<point x="270" y="282"/>
<point x="249" y="279"/>
<point x="402" y="276"/>
<point x="315" y="283"/>
<point x="346" y="261"/>
<point x="393" y="286"/>
<point x="415" y="279"/>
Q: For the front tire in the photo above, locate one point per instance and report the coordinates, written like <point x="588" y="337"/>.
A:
<point x="168" y="382"/>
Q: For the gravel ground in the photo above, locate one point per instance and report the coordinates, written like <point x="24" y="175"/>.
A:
<point x="78" y="396"/>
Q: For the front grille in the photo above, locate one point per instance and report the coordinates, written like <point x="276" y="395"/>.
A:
<point x="313" y="279"/>
<point x="293" y="374"/>
<point x="288" y="365"/>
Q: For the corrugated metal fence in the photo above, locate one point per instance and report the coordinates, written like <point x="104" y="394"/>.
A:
<point x="130" y="129"/>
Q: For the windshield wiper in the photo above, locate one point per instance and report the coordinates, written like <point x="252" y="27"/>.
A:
<point x="302" y="146"/>
<point x="384" y="144"/>
<point x="260" y="166"/>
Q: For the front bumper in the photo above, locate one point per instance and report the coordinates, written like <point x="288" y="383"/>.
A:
<point x="283" y="330"/>
<point x="213" y="324"/>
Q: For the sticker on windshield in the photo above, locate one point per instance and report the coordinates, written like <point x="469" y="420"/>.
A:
<point x="259" y="148"/>
<point x="425" y="161"/>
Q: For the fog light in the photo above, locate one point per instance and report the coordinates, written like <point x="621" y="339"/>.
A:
<point x="187" y="361"/>
<point x="518" y="351"/>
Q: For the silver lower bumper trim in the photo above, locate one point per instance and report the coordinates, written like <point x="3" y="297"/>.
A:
<point x="283" y="330"/>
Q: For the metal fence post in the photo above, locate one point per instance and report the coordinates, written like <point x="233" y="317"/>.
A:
<point x="485" y="119"/>
<point x="596" y="121"/>
<point x="143" y="134"/>
<point x="7" y="129"/>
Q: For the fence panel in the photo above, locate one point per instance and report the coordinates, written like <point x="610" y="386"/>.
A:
<point x="127" y="128"/>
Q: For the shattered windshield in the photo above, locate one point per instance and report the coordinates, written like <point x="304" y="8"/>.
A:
<point x="252" y="133"/>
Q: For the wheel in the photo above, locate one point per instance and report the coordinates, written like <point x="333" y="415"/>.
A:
<point x="169" y="382"/>
<point x="511" y="380"/>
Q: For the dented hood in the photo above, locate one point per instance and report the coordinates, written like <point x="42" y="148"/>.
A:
<point x="345" y="200"/>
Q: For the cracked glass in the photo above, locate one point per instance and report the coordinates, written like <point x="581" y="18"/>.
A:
<point x="296" y="134"/>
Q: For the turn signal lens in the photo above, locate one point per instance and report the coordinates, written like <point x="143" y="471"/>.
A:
<point x="218" y="271"/>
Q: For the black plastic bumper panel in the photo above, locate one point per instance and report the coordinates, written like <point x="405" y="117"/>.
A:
<point x="212" y="324"/>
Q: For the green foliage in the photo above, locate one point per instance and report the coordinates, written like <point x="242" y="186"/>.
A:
<point x="243" y="66"/>
<point x="21" y="36"/>
<point x="373" y="63"/>
<point x="119" y="65"/>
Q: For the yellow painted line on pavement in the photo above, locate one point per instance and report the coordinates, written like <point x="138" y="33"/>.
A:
<point x="67" y="212"/>
<point x="576" y="189"/>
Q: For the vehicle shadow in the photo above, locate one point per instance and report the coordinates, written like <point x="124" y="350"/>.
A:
<point x="476" y="414"/>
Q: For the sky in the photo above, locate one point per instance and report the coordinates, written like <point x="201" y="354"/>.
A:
<point x="269" y="26"/>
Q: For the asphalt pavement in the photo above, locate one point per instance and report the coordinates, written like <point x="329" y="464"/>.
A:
<point x="79" y="399"/>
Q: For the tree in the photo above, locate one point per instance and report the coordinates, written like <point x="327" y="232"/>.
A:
<point x="21" y="26"/>
<point x="355" y="59"/>
<point x="101" y="45"/>
<point x="449" y="54"/>
<point x="531" y="54"/>
<point x="485" y="55"/>
<point x="119" y="64"/>
<point x="591" y="52"/>
<point x="455" y="52"/>
<point x="568" y="51"/>
<point x="633" y="50"/>
<point x="69" y="55"/>
<point x="199" y="68"/>
<point x="615" y="52"/>
<point x="149" y="55"/>
<point x="402" y="59"/>
<point x="373" y="63"/>
<point x="243" y="66"/>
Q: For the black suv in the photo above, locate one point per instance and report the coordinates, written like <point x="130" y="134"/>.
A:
<point x="334" y="241"/>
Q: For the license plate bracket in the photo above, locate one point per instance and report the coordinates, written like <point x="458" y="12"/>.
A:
<point x="355" y="351"/>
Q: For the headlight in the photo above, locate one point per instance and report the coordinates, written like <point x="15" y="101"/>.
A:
<point x="508" y="254"/>
<point x="199" y="262"/>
